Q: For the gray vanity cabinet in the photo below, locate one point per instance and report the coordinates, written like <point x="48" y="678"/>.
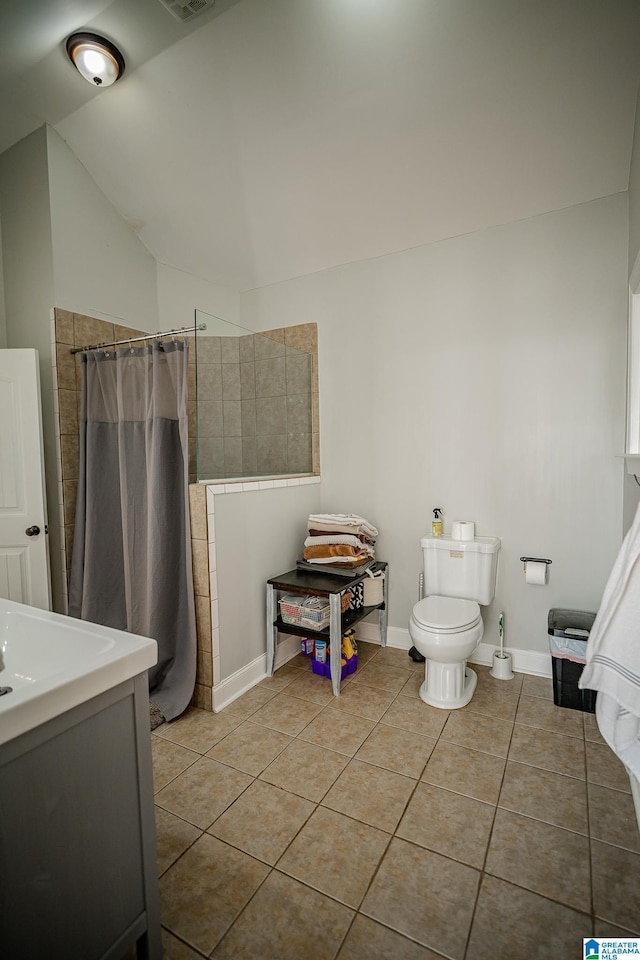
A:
<point x="78" y="875"/>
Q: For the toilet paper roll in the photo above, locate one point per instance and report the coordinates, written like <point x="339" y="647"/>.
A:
<point x="535" y="572"/>
<point x="463" y="530"/>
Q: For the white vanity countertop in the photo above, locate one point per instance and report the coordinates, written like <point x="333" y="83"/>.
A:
<point x="53" y="663"/>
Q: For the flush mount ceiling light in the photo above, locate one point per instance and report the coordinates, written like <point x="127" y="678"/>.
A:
<point x="97" y="59"/>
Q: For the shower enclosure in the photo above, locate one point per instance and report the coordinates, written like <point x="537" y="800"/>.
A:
<point x="253" y="412"/>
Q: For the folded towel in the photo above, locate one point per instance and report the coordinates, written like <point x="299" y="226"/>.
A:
<point x="336" y="528"/>
<point x="343" y="538"/>
<point x="345" y="563"/>
<point x="329" y="522"/>
<point x="342" y="532"/>
<point x="613" y="654"/>
<point x="330" y="551"/>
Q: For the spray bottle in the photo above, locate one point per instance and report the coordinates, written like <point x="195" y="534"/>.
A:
<point x="436" y="523"/>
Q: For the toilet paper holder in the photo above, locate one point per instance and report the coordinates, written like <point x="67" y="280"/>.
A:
<point x="536" y="570"/>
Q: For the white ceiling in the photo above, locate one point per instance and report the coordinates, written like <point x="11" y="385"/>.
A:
<point x="273" y="138"/>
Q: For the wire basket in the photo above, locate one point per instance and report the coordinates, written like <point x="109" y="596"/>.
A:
<point x="311" y="612"/>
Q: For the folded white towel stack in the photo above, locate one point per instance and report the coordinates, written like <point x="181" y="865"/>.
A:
<point x="613" y="655"/>
<point x="335" y="521"/>
<point x="343" y="540"/>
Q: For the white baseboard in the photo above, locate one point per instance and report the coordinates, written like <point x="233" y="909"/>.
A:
<point x="248" y="676"/>
<point x="288" y="648"/>
<point x="523" y="661"/>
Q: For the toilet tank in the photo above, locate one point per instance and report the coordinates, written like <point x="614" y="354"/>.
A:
<point x="460" y="568"/>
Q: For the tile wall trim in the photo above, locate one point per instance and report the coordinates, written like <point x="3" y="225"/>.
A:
<point x="246" y="486"/>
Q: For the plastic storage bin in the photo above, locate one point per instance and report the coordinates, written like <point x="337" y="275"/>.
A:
<point x="318" y="667"/>
<point x="322" y="669"/>
<point x="343" y="670"/>
<point x="568" y="634"/>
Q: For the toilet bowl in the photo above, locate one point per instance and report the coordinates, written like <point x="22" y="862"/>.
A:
<point x="446" y="631"/>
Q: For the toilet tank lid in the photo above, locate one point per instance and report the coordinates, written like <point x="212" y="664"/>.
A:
<point x="477" y="545"/>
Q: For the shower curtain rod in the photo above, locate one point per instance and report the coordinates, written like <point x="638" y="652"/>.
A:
<point x="148" y="336"/>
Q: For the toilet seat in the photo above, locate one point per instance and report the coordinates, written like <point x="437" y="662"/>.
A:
<point x="446" y="614"/>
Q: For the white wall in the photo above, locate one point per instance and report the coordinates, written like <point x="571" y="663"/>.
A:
<point x="100" y="266"/>
<point x="64" y="245"/>
<point x="486" y="375"/>
<point x="28" y="293"/>
<point x="180" y="294"/>
<point x="3" y="318"/>
<point x="259" y="534"/>
<point x="27" y="245"/>
<point x="634" y="194"/>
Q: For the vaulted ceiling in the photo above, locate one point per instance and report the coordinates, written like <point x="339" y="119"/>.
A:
<point x="266" y="139"/>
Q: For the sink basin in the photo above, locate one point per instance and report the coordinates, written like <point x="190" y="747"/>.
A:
<point x="53" y="663"/>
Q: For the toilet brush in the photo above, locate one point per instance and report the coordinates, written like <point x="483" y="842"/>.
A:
<point x="501" y="668"/>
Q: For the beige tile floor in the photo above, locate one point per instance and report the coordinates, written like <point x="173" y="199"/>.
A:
<point x="298" y="826"/>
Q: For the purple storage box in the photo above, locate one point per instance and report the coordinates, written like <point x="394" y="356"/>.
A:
<point x="327" y="670"/>
<point x="352" y="664"/>
<point x="317" y="667"/>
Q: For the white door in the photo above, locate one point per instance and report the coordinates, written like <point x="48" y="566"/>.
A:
<point x="24" y="551"/>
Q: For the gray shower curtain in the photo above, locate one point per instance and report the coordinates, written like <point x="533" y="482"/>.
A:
<point x="131" y="563"/>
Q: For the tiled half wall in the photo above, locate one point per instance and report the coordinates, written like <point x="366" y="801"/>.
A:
<point x="203" y="499"/>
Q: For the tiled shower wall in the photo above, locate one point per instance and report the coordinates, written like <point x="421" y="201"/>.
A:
<point x="257" y="409"/>
<point x="71" y="330"/>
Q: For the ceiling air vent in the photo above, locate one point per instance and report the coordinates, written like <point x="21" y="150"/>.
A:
<point x="184" y="10"/>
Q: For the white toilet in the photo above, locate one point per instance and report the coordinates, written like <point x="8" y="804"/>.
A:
<point x="446" y="626"/>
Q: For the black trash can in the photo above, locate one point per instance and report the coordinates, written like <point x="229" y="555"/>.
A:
<point x="568" y="634"/>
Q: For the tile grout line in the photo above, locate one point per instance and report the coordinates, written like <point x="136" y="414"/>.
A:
<point x="317" y="804"/>
<point x="357" y="908"/>
<point x="391" y="835"/>
<point x="271" y="867"/>
<point x="592" y="903"/>
<point x="396" y="695"/>
<point x="483" y="872"/>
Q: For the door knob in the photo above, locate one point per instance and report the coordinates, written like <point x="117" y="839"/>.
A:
<point x="32" y="531"/>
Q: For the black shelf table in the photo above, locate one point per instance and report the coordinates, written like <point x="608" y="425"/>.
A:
<point x="312" y="584"/>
